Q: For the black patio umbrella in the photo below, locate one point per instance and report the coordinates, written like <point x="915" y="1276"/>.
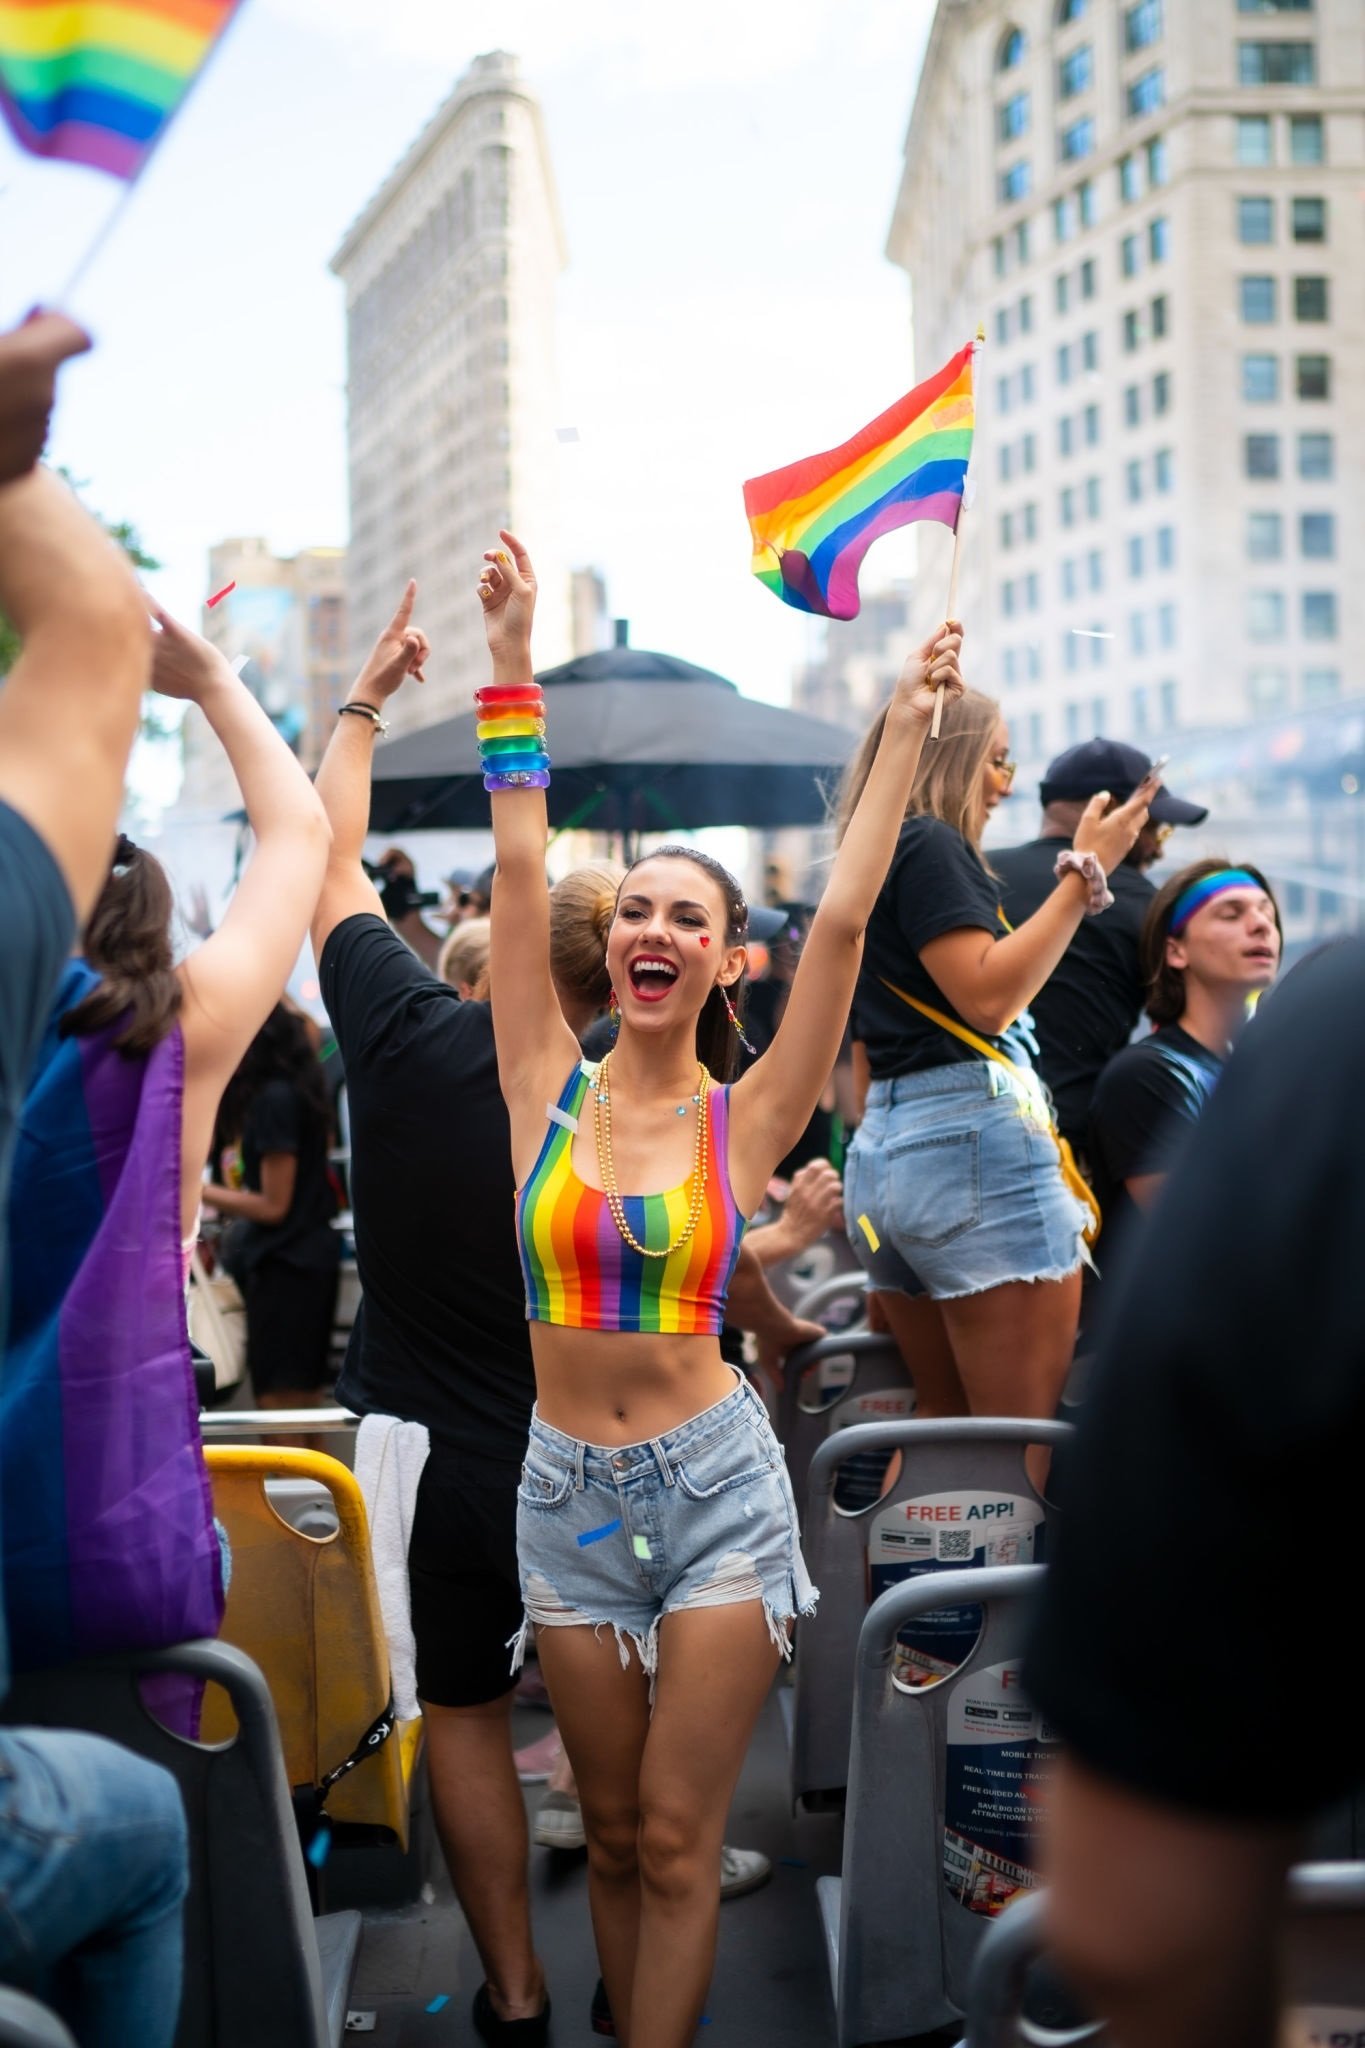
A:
<point x="640" y="742"/>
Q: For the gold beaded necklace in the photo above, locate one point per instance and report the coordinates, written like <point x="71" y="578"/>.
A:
<point x="606" y="1166"/>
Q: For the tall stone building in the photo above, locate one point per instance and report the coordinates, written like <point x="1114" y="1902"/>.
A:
<point x="1154" y="207"/>
<point x="450" y="275"/>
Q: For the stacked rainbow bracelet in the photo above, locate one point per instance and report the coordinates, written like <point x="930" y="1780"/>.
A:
<point x="511" y="734"/>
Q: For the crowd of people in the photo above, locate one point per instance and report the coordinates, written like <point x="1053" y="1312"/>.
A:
<point x="559" y="1127"/>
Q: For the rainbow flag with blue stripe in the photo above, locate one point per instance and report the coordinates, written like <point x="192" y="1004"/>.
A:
<point x="813" y="521"/>
<point x="96" y="81"/>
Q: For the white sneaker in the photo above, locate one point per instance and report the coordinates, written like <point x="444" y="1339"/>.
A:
<point x="742" y="1870"/>
<point x="559" y="1823"/>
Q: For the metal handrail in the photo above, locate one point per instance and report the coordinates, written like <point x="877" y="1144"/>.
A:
<point x="215" y="1424"/>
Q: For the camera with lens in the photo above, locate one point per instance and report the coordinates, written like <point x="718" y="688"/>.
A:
<point x="398" y="892"/>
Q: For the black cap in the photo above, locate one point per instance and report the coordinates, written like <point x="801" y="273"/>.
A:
<point x="1082" y="772"/>
<point x="766" y="923"/>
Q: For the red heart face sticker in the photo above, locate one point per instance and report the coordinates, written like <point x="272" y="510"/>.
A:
<point x="706" y="938"/>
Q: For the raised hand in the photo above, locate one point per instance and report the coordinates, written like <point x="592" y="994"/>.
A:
<point x="816" y="1202"/>
<point x="933" y="667"/>
<point x="183" y="665"/>
<point x="29" y="360"/>
<point x="402" y="650"/>
<point x="507" y="592"/>
<point x="1112" y="834"/>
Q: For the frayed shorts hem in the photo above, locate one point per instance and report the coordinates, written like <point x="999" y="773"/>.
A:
<point x="646" y="1641"/>
<point x="1053" y="1273"/>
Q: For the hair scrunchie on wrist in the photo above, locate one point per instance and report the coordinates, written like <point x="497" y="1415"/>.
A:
<point x="1087" y="866"/>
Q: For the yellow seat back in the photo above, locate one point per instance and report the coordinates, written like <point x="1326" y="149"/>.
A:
<point x="306" y="1610"/>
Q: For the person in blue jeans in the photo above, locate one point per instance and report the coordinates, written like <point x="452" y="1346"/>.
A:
<point x="93" y="1854"/>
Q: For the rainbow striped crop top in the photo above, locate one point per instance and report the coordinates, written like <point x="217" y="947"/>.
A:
<point x="579" y="1271"/>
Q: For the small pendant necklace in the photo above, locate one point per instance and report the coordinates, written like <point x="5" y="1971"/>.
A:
<point x="606" y="1165"/>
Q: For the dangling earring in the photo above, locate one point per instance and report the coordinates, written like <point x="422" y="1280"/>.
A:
<point x="730" y="1012"/>
<point x="613" y="1015"/>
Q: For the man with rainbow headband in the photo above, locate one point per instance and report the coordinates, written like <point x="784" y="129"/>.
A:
<point x="1210" y="945"/>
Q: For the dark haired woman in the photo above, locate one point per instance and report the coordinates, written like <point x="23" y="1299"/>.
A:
<point x="281" y="1248"/>
<point x="1210" y="946"/>
<point x="656" y="1531"/>
<point x="955" y="1192"/>
<point x="116" y="1127"/>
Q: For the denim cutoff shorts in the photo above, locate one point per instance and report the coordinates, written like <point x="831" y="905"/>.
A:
<point x="618" y="1536"/>
<point x="959" y="1186"/>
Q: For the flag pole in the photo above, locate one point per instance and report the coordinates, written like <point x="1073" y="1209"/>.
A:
<point x="951" y="611"/>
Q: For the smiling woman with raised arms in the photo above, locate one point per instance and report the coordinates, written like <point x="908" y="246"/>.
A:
<point x="656" y="1530"/>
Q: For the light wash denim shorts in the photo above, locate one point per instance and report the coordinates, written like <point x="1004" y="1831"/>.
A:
<point x="618" y="1536"/>
<point x="959" y="1186"/>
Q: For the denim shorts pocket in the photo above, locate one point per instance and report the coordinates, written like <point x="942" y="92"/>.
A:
<point x="543" y="1487"/>
<point x="735" y="1459"/>
<point x="934" y="1187"/>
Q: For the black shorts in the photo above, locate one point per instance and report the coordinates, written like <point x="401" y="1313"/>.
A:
<point x="462" y="1578"/>
<point x="289" y="1315"/>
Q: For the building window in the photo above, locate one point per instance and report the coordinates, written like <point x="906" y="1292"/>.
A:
<point x="1067" y="506"/>
<point x="1319" y="615"/>
<point x="1158" y="161"/>
<point x="1165" y="547"/>
<point x="1132" y="330"/>
<point x="1159" y="238"/>
<point x="1130" y="179"/>
<point x="1029" y="453"/>
<point x="1132" y="406"/>
<point x="1064" y="363"/>
<point x="1009" y="664"/>
<point x="1035" y="732"/>
<point x="1308" y="220"/>
<point x="1025" y="383"/>
<point x="1090" y="350"/>
<point x="1002" y="394"/>
<point x="1013" y="45"/>
<point x="1073" y="711"/>
<point x="1071" y="10"/>
<point x="1146" y="93"/>
<point x="1092" y="497"/>
<point x="1128" y="256"/>
<point x="1161" y="392"/>
<point x="1141" y="711"/>
<point x="1092" y="426"/>
<point x="998" y="255"/>
<point x="1170" y="705"/>
<point x="1031" y="594"/>
<point x="1021" y="240"/>
<point x="1085" y="200"/>
<point x="1137" y="632"/>
<point x="1078" y="140"/>
<point x="1142" y="25"/>
<point x="1306" y="139"/>
<point x="1061" y="291"/>
<point x="1135" y="554"/>
<point x="1260" y="379"/>
<point x="1016" y="182"/>
<point x="1276" y="64"/>
<point x="1159" y="311"/>
<point x="1088" y="278"/>
<point x="1064" y="218"/>
<point x="1030" y="521"/>
<point x="1265" y="615"/>
<point x="1076" y="72"/>
<point x="1002" y="324"/>
<point x="1026" y="313"/>
<point x="1317" y="456"/>
<point x="1257" y="295"/>
<point x="1267" y="689"/>
<point x="1165" y="625"/>
<point x="1310" y="298"/>
<point x="1006" y="531"/>
<point x="1132" y="482"/>
<point x="1255" y="221"/>
<point x="1313" y="376"/>
<point x="1012" y="117"/>
<point x="1321" y="685"/>
<point x="1064" y="435"/>
<point x="1094" y="567"/>
<point x="1006" y="462"/>
<point x="1317" y="536"/>
<point x="1069" y="579"/>
<point x="1253" y="139"/>
<point x="1163" y="469"/>
<point x="1265" y="536"/>
<point x="1007" y="598"/>
<point x="1261" y="455"/>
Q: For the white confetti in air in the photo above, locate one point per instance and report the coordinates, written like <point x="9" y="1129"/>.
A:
<point x="1092" y="633"/>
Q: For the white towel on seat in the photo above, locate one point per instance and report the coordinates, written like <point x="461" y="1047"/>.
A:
<point x="389" y="1456"/>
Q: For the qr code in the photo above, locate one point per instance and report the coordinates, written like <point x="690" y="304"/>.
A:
<point x="955" y="1544"/>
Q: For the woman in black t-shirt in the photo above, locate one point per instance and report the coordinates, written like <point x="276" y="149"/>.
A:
<point x="955" y="1198"/>
<point x="281" y="1248"/>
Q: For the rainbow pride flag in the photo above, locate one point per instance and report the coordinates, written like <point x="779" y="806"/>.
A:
<point x="96" y="81"/>
<point x="813" y="521"/>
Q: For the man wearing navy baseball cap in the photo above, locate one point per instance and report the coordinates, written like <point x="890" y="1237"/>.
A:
<point x="1087" y="1011"/>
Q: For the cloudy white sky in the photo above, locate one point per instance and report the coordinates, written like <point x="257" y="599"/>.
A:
<point x="726" y="176"/>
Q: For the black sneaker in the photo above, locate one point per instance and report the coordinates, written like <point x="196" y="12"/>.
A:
<point x="531" y="2033"/>
<point x="599" y="2013"/>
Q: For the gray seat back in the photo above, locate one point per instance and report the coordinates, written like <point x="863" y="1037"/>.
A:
<point x="26" y="2024"/>
<point x="942" y="1816"/>
<point x="962" y="1499"/>
<point x="845" y="1378"/>
<point x="1324" y="1966"/>
<point x="252" y="1970"/>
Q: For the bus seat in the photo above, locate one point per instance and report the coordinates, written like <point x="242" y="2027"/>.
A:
<point x="847" y="1377"/>
<point x="969" y="1473"/>
<point x="302" y="1604"/>
<point x="26" y="2024"/>
<point x="941" y="1826"/>
<point x="1324" y="1968"/>
<point x="254" y="1956"/>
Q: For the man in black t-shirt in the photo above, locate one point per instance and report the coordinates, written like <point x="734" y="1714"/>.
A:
<point x="1093" y="997"/>
<point x="1210" y="945"/>
<point x="1190" y="1644"/>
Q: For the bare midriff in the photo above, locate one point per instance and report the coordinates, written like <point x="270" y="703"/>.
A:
<point x="622" y="1387"/>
